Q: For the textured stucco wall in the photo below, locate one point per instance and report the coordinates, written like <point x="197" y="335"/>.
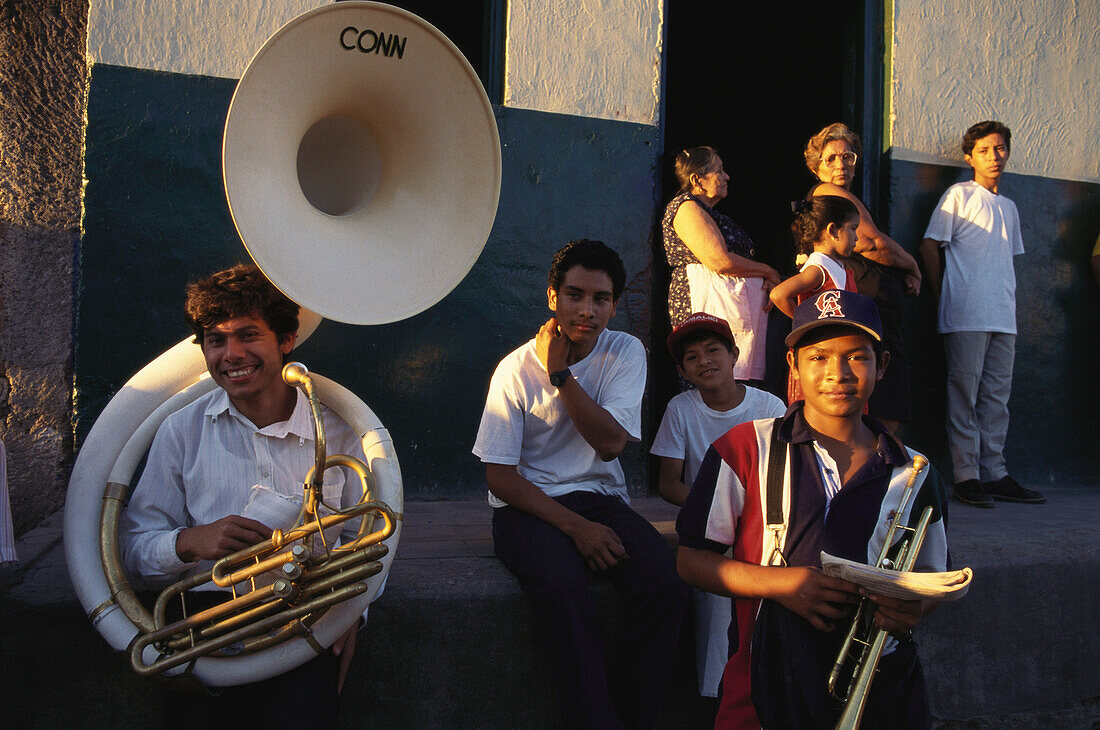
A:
<point x="209" y="38"/>
<point x="42" y="87"/>
<point x="1033" y="64"/>
<point x="592" y="58"/>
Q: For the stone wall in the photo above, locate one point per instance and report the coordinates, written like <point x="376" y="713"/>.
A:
<point x="42" y="92"/>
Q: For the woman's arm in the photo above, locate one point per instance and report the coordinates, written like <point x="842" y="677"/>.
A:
<point x="785" y="294"/>
<point x="930" y="252"/>
<point x="701" y="235"/>
<point x="875" y="245"/>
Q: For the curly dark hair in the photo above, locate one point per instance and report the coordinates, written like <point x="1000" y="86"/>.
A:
<point x="595" y="255"/>
<point x="813" y="215"/>
<point x="238" y="292"/>
<point x="984" y="129"/>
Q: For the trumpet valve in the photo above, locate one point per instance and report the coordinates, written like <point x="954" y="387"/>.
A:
<point x="292" y="570"/>
<point x="299" y="553"/>
<point x="282" y="588"/>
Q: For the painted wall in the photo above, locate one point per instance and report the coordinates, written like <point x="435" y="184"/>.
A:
<point x="1034" y="66"/>
<point x="42" y="89"/>
<point x="591" y="58"/>
<point x="155" y="216"/>
<point x="210" y="38"/>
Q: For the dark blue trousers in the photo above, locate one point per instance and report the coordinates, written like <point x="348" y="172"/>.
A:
<point x="629" y="692"/>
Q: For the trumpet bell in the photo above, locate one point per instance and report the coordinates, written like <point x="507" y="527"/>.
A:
<point x="362" y="162"/>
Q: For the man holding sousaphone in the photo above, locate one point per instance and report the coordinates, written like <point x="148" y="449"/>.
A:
<point x="223" y="467"/>
<point x="780" y="493"/>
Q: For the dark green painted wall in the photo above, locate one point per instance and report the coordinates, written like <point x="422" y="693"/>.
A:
<point x="156" y="217"/>
<point x="1053" y="437"/>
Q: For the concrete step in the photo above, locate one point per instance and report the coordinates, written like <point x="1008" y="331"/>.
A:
<point x="449" y="644"/>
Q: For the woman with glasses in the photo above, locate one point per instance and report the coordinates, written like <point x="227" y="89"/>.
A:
<point x="883" y="270"/>
<point x="713" y="260"/>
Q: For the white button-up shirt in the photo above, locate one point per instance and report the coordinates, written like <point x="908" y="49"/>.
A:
<point x="202" y="466"/>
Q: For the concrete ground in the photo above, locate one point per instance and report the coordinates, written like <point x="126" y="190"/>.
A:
<point x="449" y="644"/>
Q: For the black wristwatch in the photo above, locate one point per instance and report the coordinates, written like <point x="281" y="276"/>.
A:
<point x="558" y="378"/>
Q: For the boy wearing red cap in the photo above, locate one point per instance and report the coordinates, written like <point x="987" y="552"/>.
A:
<point x="705" y="354"/>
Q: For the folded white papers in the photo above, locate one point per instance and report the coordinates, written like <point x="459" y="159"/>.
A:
<point x="949" y="586"/>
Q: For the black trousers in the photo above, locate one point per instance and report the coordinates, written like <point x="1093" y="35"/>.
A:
<point x="553" y="574"/>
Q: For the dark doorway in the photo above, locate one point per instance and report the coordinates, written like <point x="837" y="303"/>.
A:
<point x="476" y="27"/>
<point x="756" y="80"/>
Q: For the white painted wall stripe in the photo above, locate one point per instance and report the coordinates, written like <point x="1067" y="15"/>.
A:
<point x="201" y="37"/>
<point x="1032" y="64"/>
<point x="592" y="58"/>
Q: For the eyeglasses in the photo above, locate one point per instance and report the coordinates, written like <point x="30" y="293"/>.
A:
<point x="848" y="158"/>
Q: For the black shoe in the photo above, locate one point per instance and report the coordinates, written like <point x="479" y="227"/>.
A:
<point x="970" y="492"/>
<point x="1007" y="490"/>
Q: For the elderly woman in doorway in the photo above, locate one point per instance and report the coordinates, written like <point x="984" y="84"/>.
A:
<point x="883" y="270"/>
<point x="712" y="260"/>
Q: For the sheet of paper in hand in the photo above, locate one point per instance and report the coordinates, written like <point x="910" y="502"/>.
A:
<point x="949" y="586"/>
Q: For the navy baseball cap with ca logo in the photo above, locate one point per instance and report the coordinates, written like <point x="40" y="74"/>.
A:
<point x="835" y="306"/>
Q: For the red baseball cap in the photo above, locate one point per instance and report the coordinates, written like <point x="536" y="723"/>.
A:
<point x="699" y="321"/>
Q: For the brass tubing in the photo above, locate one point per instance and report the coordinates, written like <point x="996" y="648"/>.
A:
<point x="227" y="624"/>
<point x="296" y="375"/>
<point x="111" y="560"/>
<point x="863" y="673"/>
<point x="220" y="577"/>
<point x="298" y="628"/>
<point x="160" y="608"/>
<point x="311" y="586"/>
<point x="358" y="573"/>
<point x="167" y="662"/>
<point x="213" y="613"/>
<point x="374" y="552"/>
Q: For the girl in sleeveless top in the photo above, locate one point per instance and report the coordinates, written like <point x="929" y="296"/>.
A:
<point x="825" y="230"/>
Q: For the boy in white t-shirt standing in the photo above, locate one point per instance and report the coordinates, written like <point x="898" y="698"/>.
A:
<point x="978" y="231"/>
<point x="560" y="410"/>
<point x="705" y="353"/>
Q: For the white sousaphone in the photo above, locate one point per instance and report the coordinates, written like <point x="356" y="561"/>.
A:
<point x="362" y="168"/>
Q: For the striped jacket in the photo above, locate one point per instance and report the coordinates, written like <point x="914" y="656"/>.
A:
<point x="726" y="509"/>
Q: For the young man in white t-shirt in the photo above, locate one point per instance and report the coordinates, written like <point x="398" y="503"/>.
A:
<point x="978" y="231"/>
<point x="705" y="353"/>
<point x="560" y="410"/>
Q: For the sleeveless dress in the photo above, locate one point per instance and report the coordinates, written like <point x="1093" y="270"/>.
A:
<point x="836" y="276"/>
<point x="680" y="256"/>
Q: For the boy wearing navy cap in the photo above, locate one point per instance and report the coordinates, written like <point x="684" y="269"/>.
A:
<point x="705" y="353"/>
<point x="836" y="480"/>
